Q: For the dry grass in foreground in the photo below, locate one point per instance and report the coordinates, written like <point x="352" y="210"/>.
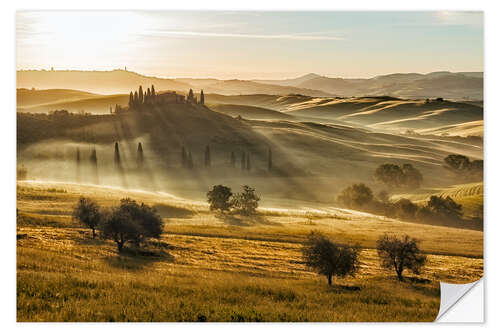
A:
<point x="208" y="268"/>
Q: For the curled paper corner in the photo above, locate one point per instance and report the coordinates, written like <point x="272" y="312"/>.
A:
<point x="454" y="296"/>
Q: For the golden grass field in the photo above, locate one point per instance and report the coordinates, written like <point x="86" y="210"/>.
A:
<point x="218" y="268"/>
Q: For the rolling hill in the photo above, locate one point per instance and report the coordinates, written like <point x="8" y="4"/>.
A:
<point x="250" y="112"/>
<point x="122" y="82"/>
<point x="34" y="97"/>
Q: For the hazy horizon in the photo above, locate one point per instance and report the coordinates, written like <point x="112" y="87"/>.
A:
<point x="229" y="78"/>
<point x="251" y="45"/>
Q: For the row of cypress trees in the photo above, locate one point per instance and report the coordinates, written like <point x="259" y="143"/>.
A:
<point x="138" y="98"/>
<point x="186" y="158"/>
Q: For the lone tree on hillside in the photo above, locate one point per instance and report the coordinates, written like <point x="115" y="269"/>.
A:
<point x="330" y="259"/>
<point x="356" y="195"/>
<point x="393" y="175"/>
<point x="131" y="222"/>
<point x="219" y="198"/>
<point x="246" y="202"/>
<point x="208" y="161"/>
<point x="202" y="98"/>
<point x="87" y="211"/>
<point x="400" y="254"/>
<point x="140" y="156"/>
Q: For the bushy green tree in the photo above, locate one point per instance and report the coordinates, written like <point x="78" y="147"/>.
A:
<point x="328" y="258"/>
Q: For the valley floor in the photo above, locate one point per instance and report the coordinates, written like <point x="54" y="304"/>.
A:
<point x="216" y="268"/>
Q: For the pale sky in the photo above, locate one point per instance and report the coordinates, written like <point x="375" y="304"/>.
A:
<point x="251" y="45"/>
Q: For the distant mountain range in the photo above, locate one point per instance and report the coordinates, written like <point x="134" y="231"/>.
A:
<point x="460" y="86"/>
<point x="457" y="86"/>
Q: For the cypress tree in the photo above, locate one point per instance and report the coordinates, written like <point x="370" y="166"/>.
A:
<point x="190" y="95"/>
<point x="243" y="161"/>
<point x="141" y="96"/>
<point x="153" y="93"/>
<point x="77" y="164"/>
<point x="131" y="101"/>
<point x="208" y="161"/>
<point x="140" y="156"/>
<point x="233" y="159"/>
<point x="248" y="162"/>
<point x="93" y="157"/>
<point x="117" y="155"/>
<point x="202" y="98"/>
<point x="269" y="160"/>
<point x="93" y="161"/>
<point x="147" y="99"/>
<point x="78" y="155"/>
<point x="184" y="157"/>
<point x="136" y="99"/>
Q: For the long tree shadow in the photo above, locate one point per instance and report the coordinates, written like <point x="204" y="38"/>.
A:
<point x="245" y="221"/>
<point x="138" y="259"/>
<point x="167" y="211"/>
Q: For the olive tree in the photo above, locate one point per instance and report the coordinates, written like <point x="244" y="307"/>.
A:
<point x="219" y="198"/>
<point x="131" y="222"/>
<point x="87" y="211"/>
<point x="328" y="258"/>
<point x="400" y="253"/>
<point x="247" y="201"/>
<point x="356" y="195"/>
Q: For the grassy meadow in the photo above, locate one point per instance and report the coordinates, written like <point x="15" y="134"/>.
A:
<point x="208" y="267"/>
